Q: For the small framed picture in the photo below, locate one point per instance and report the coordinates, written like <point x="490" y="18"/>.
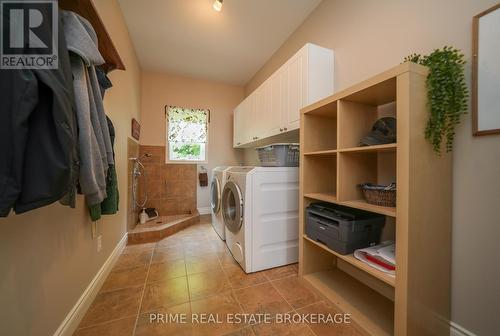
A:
<point x="136" y="129"/>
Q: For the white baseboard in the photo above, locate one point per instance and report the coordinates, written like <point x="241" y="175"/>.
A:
<point x="205" y="210"/>
<point x="70" y="323"/>
<point x="457" y="330"/>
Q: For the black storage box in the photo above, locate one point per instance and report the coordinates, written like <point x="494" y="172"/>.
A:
<point x="343" y="229"/>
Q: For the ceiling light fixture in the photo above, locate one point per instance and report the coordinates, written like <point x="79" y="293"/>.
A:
<point x="217" y="5"/>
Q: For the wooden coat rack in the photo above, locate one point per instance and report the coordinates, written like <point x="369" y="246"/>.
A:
<point x="86" y="9"/>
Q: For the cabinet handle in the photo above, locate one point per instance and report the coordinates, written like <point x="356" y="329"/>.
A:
<point x="239" y="143"/>
<point x="281" y="129"/>
<point x="285" y="129"/>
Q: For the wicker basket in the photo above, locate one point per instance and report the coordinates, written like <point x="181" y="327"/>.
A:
<point x="379" y="195"/>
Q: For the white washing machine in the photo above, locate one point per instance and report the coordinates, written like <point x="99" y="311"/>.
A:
<point x="260" y="208"/>
<point x="218" y="181"/>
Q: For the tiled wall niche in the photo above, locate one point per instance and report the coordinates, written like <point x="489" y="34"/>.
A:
<point x="171" y="188"/>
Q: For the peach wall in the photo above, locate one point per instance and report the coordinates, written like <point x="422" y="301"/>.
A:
<point x="159" y="90"/>
<point x="370" y="36"/>
<point x="48" y="256"/>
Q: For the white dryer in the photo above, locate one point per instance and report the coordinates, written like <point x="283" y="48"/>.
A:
<point x="218" y="181"/>
<point x="260" y="207"/>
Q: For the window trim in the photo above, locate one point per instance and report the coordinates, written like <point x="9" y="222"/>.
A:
<point x="167" y="144"/>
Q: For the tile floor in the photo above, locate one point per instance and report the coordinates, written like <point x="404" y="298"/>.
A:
<point x="192" y="272"/>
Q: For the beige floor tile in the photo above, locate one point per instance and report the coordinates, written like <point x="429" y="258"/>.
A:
<point x="281" y="272"/>
<point x="123" y="327"/>
<point x="282" y="329"/>
<point x="125" y="278"/>
<point x="138" y="248"/>
<point x="218" y="245"/>
<point x="226" y="259"/>
<point x="171" y="241"/>
<point x="247" y="331"/>
<point x="262" y="299"/>
<point x="167" y="254"/>
<point x="166" y="293"/>
<point x="167" y="270"/>
<point x="132" y="260"/>
<point x="202" y="263"/>
<point x="207" y="283"/>
<point x="239" y="279"/>
<point x="112" y="306"/>
<point x="158" y="323"/>
<point x="222" y="306"/>
<point x="327" y="329"/>
<point x="296" y="292"/>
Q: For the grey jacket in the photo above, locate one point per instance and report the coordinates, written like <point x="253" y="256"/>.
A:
<point x="96" y="152"/>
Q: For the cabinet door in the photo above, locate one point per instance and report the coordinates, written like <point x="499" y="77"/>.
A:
<point x="260" y="123"/>
<point x="250" y="118"/>
<point x="285" y="97"/>
<point x="297" y="89"/>
<point x="274" y="119"/>
<point x="238" y="125"/>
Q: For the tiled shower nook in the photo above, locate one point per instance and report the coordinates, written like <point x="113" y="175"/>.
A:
<point x="170" y="189"/>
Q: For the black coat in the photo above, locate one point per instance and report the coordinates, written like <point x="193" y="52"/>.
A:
<point x="38" y="136"/>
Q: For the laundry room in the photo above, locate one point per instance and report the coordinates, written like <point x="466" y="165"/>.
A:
<point x="249" y="167"/>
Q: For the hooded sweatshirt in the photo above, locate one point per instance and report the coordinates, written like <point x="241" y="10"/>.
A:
<point x="96" y="152"/>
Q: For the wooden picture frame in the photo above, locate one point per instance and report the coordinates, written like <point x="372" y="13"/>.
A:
<point x="136" y="129"/>
<point x="477" y="130"/>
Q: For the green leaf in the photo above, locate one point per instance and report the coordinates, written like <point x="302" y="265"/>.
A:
<point x="446" y="92"/>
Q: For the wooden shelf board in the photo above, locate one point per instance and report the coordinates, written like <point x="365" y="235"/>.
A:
<point x="361" y="92"/>
<point x="327" y="110"/>
<point x="358" y="204"/>
<point x="107" y="49"/>
<point x="363" y="205"/>
<point x="322" y="152"/>
<point x="325" y="197"/>
<point x="372" y="311"/>
<point x="369" y="149"/>
<point x="349" y="258"/>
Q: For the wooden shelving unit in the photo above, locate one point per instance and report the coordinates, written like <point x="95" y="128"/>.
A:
<point x="417" y="300"/>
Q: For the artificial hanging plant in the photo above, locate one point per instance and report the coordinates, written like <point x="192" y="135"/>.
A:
<point x="446" y="92"/>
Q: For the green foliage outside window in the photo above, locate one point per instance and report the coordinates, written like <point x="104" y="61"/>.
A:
<point x="188" y="151"/>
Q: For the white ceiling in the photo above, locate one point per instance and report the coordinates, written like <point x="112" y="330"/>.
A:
<point x="188" y="37"/>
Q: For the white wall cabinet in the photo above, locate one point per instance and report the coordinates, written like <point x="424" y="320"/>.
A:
<point x="274" y="107"/>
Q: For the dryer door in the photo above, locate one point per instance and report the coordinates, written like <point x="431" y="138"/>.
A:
<point x="232" y="207"/>
<point x="215" y="195"/>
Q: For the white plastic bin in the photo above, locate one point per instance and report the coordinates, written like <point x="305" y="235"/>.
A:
<point x="279" y="155"/>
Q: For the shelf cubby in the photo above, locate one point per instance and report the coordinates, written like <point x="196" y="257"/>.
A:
<point x="324" y="136"/>
<point x="324" y="181"/>
<point x="355" y="121"/>
<point x="370" y="301"/>
<point x="349" y="258"/>
<point x="359" y="167"/>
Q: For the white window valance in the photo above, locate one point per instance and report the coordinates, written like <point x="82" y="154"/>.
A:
<point x="186" y="125"/>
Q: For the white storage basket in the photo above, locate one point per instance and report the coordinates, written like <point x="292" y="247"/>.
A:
<point x="279" y="155"/>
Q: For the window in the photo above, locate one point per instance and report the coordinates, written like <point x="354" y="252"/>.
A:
<point x="187" y="134"/>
